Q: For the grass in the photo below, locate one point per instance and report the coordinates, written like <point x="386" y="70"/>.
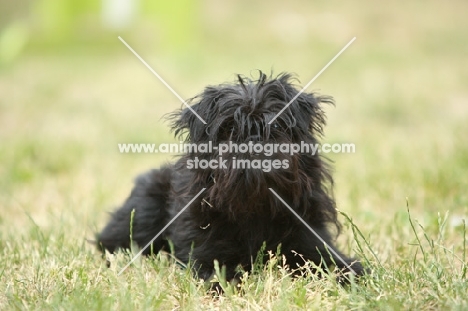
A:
<point x="401" y="98"/>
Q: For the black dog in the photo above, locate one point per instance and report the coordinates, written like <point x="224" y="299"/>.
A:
<point x="237" y="214"/>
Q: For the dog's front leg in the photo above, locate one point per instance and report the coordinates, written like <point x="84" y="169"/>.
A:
<point x="141" y="217"/>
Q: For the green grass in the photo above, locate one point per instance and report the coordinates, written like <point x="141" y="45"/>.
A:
<point x="401" y="98"/>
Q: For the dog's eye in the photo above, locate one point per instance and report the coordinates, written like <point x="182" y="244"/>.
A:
<point x="275" y="125"/>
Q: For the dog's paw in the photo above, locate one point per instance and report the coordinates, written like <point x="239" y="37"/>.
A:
<point x="350" y="273"/>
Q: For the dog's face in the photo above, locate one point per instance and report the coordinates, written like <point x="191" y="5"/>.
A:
<point x="240" y="113"/>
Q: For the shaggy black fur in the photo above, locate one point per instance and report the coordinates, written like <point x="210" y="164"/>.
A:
<point x="237" y="214"/>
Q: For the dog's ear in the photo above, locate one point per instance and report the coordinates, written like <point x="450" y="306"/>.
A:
<point x="307" y="108"/>
<point x="186" y="125"/>
<point x="188" y="121"/>
<point x="311" y="113"/>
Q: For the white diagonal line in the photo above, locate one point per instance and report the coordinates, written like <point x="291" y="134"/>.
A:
<point x="161" y="79"/>
<point x="314" y="232"/>
<point x="160" y="232"/>
<point x="313" y="79"/>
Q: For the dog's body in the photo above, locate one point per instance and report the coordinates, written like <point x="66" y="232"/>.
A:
<point x="237" y="214"/>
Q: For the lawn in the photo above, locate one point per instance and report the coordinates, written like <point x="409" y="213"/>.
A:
<point x="401" y="97"/>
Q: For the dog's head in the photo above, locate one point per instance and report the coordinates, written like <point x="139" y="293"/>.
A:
<point x="241" y="113"/>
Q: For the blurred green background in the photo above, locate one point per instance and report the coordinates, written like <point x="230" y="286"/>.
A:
<point x="70" y="91"/>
